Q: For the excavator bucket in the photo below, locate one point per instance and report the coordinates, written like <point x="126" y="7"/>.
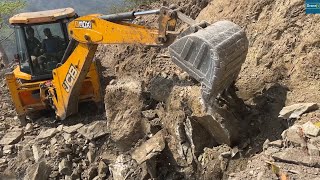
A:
<point x="212" y="55"/>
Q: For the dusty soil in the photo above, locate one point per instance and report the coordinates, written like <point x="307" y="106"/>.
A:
<point x="149" y="99"/>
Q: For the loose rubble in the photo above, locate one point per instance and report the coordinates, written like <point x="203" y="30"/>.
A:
<point x="296" y="110"/>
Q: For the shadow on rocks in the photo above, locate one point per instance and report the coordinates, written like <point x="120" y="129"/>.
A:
<point x="264" y="121"/>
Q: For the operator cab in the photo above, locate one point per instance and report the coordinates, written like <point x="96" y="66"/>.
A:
<point x="41" y="39"/>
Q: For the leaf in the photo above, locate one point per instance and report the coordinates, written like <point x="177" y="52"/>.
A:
<point x="317" y="124"/>
<point x="275" y="169"/>
<point x="283" y="176"/>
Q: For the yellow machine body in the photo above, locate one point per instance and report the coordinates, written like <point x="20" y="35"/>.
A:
<point x="76" y="77"/>
<point x="25" y="101"/>
<point x="62" y="72"/>
<point x="26" y="92"/>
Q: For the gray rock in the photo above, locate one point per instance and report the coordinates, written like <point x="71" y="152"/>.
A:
<point x="38" y="171"/>
<point x="150" y="148"/>
<point x="29" y="127"/>
<point x="94" y="130"/>
<point x="149" y="114"/>
<point x="102" y="169"/>
<point x="65" y="167"/>
<point x="294" y="135"/>
<point x="75" y="174"/>
<point x="67" y="137"/>
<point x="277" y="143"/>
<point x="7" y="149"/>
<point x="266" y="144"/>
<point x="310" y="129"/>
<point x="53" y="141"/>
<point x="92" y="172"/>
<point x="183" y="76"/>
<point x="37" y="153"/>
<point x="296" y="110"/>
<point x="124" y="103"/>
<point x="90" y="156"/>
<point x="160" y="88"/>
<point x="108" y="157"/>
<point x="123" y="167"/>
<point x="234" y="151"/>
<point x="60" y="127"/>
<point x="313" y="150"/>
<point x="271" y="150"/>
<point x="12" y="137"/>
<point x="226" y="154"/>
<point x="72" y="129"/>
<point x="44" y="134"/>
<point x="297" y="156"/>
<point x="198" y="136"/>
<point x="315" y="141"/>
<point x="3" y="164"/>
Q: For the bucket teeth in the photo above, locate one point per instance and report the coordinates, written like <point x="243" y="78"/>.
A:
<point x="212" y="55"/>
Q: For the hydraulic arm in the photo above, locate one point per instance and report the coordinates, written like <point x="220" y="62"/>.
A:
<point x="62" y="93"/>
<point x="212" y="54"/>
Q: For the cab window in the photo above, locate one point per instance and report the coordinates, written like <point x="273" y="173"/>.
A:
<point x="46" y="44"/>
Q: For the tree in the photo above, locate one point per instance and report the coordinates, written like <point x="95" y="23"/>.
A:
<point x="7" y="8"/>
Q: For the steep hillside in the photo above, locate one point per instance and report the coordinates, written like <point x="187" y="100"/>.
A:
<point x="284" y="46"/>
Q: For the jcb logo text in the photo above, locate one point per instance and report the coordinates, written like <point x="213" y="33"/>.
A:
<point x="70" y="78"/>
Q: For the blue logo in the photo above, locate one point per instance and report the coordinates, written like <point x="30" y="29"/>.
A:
<point x="312" y="6"/>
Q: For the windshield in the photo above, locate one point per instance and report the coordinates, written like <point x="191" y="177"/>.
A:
<point x="45" y="45"/>
<point x="22" y="51"/>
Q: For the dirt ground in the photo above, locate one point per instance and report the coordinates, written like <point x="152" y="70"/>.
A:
<point x="152" y="127"/>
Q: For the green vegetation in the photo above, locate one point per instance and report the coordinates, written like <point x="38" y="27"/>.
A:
<point x="7" y="9"/>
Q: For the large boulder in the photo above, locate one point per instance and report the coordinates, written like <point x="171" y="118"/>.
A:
<point x="124" y="103"/>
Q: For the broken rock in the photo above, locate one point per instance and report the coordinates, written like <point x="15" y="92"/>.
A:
<point x="65" y="167"/>
<point x="108" y="157"/>
<point x="294" y="135"/>
<point x="124" y="167"/>
<point x="124" y="103"/>
<point x="297" y="156"/>
<point x="149" y="114"/>
<point x="150" y="148"/>
<point x="29" y="127"/>
<point x="198" y="136"/>
<point x="102" y="169"/>
<point x="277" y="143"/>
<point x="38" y="171"/>
<point x="90" y="156"/>
<point x="3" y="164"/>
<point x="94" y="130"/>
<point x="296" y="110"/>
<point x="72" y="129"/>
<point x="47" y="133"/>
<point x="37" y="153"/>
<point x="310" y="129"/>
<point x="12" y="137"/>
<point x="313" y="150"/>
<point x="7" y="149"/>
<point x="92" y="172"/>
<point x="160" y="88"/>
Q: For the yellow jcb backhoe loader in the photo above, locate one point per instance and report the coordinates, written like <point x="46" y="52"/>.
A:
<point x="55" y="50"/>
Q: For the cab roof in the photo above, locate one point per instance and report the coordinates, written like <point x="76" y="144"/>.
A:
<point x="42" y="16"/>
